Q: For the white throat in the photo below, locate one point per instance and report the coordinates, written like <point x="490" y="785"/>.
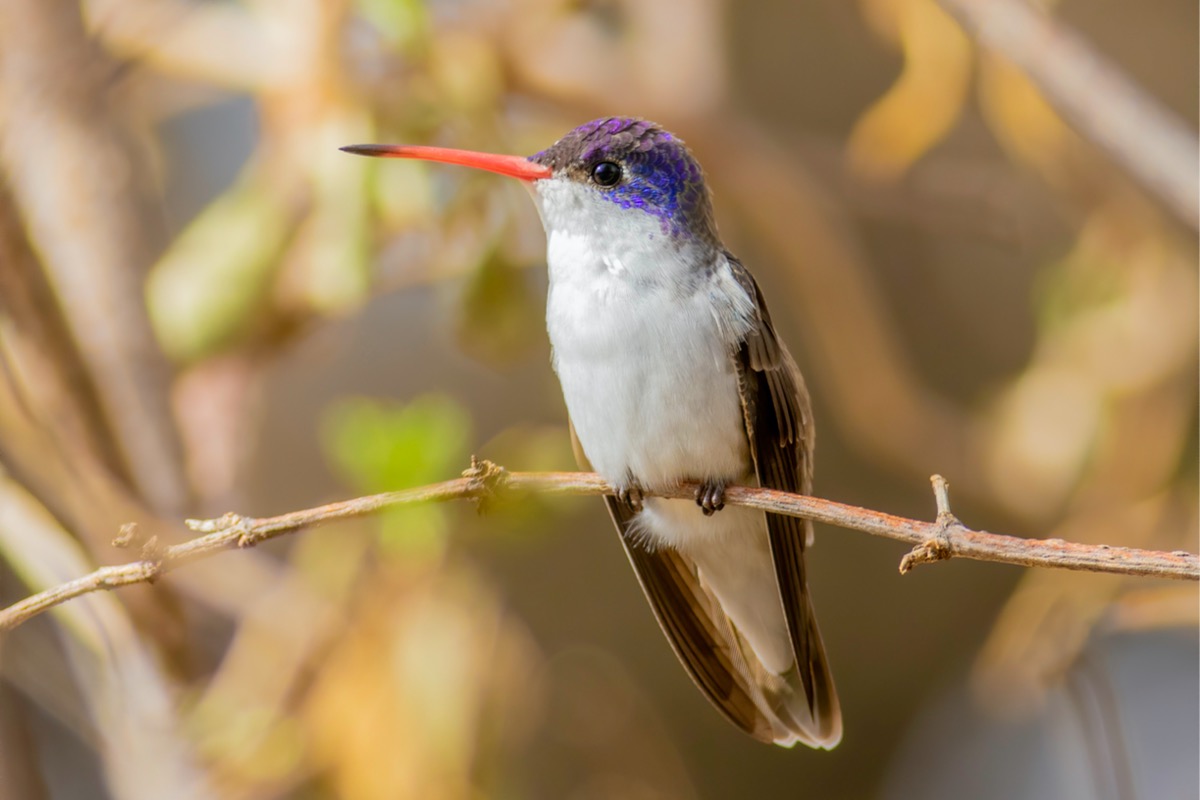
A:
<point x="585" y="228"/>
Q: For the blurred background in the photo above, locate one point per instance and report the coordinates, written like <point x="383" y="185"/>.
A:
<point x="205" y="307"/>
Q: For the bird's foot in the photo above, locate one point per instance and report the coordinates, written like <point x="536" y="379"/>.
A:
<point x="631" y="495"/>
<point x="710" y="497"/>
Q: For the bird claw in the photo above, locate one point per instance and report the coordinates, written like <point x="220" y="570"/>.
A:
<point x="631" y="496"/>
<point x="710" y="497"/>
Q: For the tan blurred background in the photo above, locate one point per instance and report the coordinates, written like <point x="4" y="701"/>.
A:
<point x="205" y="307"/>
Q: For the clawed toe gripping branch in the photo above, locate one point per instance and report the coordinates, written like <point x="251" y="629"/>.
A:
<point x="939" y="540"/>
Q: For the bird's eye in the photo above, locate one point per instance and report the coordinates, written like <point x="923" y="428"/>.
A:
<point x="606" y="173"/>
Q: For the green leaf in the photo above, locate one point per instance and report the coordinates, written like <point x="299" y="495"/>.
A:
<point x="377" y="446"/>
<point x="206" y="287"/>
<point x="404" y="24"/>
<point x="332" y="251"/>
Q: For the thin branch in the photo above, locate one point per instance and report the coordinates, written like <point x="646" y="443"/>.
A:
<point x="1149" y="142"/>
<point x="933" y="541"/>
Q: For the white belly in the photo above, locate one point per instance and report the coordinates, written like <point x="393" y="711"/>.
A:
<point x="649" y="382"/>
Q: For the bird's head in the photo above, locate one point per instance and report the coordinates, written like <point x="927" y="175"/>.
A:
<point x="606" y="172"/>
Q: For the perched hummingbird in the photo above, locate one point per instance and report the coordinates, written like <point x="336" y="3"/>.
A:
<point x="672" y="371"/>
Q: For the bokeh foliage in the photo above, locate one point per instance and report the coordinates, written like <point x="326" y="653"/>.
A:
<point x="244" y="317"/>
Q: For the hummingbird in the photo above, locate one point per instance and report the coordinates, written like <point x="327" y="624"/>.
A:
<point x="672" y="371"/>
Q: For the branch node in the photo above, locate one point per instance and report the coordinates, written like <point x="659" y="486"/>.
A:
<point x="487" y="479"/>
<point x="935" y="548"/>
<point x="152" y="556"/>
<point x="152" y="550"/>
<point x="221" y="523"/>
<point x="939" y="546"/>
<point x="228" y="522"/>
<point x="244" y="528"/>
<point x="128" y="536"/>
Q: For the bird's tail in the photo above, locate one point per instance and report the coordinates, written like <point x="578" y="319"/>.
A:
<point x="815" y="721"/>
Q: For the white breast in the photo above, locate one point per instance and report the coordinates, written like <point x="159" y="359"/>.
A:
<point x="643" y="330"/>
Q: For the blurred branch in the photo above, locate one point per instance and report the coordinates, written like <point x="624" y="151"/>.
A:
<point x="902" y="421"/>
<point x="933" y="541"/>
<point x="943" y="194"/>
<point x="1095" y="97"/>
<point x="78" y="177"/>
<point x="178" y="38"/>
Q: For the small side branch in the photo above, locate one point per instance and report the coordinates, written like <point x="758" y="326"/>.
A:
<point x="939" y="546"/>
<point x="944" y="538"/>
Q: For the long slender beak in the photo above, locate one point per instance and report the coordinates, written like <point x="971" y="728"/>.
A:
<point x="514" y="166"/>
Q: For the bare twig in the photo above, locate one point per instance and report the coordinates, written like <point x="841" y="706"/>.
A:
<point x="1094" y="96"/>
<point x="944" y="538"/>
<point x="939" y="546"/>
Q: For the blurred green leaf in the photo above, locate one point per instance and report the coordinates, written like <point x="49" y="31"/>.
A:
<point x="378" y="446"/>
<point x="500" y="320"/>
<point x="404" y="24"/>
<point x="332" y="246"/>
<point x="207" y="285"/>
<point x="402" y="194"/>
<point x="1083" y="281"/>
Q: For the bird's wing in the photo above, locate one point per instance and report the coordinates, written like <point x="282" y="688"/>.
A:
<point x="711" y="651"/>
<point x="778" y="418"/>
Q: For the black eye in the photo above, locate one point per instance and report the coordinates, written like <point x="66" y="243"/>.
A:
<point x="606" y="173"/>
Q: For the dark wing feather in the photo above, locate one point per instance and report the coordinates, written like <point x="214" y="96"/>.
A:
<point x="778" y="419"/>
<point x="696" y="627"/>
